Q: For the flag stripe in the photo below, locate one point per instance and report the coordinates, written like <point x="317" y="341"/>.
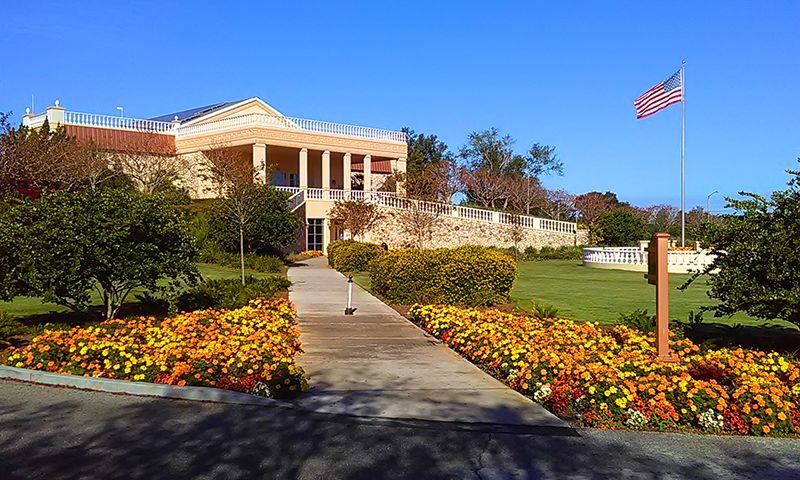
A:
<point x="651" y="112"/>
<point x="660" y="96"/>
<point x="660" y="100"/>
<point x="646" y="94"/>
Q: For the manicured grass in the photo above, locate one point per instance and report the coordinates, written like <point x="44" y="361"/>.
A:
<point x="25" y="306"/>
<point x="591" y="294"/>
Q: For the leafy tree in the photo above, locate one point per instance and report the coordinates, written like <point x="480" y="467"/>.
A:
<point x="620" y="227"/>
<point x="592" y="205"/>
<point x="757" y="265"/>
<point x="355" y="216"/>
<point x="247" y="212"/>
<point x="490" y="152"/>
<point x="424" y="151"/>
<point x="111" y="241"/>
<point x="253" y="218"/>
<point x="45" y="159"/>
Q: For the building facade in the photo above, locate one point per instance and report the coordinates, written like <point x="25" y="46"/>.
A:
<point x="317" y="162"/>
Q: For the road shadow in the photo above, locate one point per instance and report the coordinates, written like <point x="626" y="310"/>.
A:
<point x="55" y="433"/>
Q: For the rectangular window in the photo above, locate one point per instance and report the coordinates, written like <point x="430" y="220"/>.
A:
<point x="314" y="236"/>
<point x="278" y="179"/>
<point x="294" y="180"/>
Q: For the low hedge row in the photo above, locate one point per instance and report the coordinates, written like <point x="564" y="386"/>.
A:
<point x="229" y="293"/>
<point x="352" y="256"/>
<point x="259" y="263"/>
<point x="467" y="275"/>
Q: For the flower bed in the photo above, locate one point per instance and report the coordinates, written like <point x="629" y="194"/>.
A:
<point x="608" y="377"/>
<point x="250" y="349"/>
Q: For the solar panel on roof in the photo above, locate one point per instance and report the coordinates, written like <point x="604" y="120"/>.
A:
<point x="185" y="115"/>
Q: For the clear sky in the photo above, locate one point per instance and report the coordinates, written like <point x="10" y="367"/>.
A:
<point x="559" y="73"/>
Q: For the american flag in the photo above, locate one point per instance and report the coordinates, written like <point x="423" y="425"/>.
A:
<point x="660" y="97"/>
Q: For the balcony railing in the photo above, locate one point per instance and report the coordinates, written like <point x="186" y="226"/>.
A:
<point x="279" y="122"/>
<point x="117" y="123"/>
<point x="246" y="120"/>
<point x="635" y="258"/>
<point x="390" y="200"/>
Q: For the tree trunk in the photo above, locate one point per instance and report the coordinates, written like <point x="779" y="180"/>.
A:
<point x="241" y="250"/>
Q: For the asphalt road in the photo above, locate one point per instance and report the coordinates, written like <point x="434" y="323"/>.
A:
<point x="54" y="433"/>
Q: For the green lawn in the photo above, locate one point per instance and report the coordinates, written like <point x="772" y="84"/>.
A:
<point x="593" y="294"/>
<point x="26" y="306"/>
<point x="583" y="293"/>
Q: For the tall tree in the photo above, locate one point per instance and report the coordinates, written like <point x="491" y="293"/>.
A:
<point x="424" y="151"/>
<point x="592" y="205"/>
<point x="45" y="159"/>
<point x="489" y="151"/>
<point x="757" y="264"/>
<point x="111" y="241"/>
<point x="240" y="201"/>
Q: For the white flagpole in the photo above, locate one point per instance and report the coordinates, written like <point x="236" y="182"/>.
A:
<point x="683" y="160"/>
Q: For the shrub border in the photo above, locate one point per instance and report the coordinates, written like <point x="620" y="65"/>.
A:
<point x="141" y="389"/>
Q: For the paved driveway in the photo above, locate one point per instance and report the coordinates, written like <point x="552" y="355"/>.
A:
<point x="376" y="363"/>
<point x="56" y="433"/>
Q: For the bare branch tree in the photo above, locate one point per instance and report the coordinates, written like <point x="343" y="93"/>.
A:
<point x="525" y="195"/>
<point x="419" y="221"/>
<point x="149" y="162"/>
<point x="233" y="177"/>
<point x="559" y="204"/>
<point x="356" y="216"/>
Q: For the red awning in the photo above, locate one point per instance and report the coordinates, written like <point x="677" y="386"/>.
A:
<point x="377" y="166"/>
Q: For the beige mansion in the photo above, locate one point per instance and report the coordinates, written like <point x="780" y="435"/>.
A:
<point x="317" y="162"/>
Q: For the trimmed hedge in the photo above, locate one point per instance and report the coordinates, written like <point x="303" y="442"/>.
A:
<point x="229" y="293"/>
<point x="352" y="256"/>
<point x="467" y="275"/>
<point x="566" y="252"/>
<point x="259" y="263"/>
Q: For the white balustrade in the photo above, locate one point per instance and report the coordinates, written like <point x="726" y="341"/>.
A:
<point x="635" y="258"/>
<point x="276" y="121"/>
<point x="34" y="120"/>
<point x="117" y="123"/>
<point x="246" y="120"/>
<point x="390" y="200"/>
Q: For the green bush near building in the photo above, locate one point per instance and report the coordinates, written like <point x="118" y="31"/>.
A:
<point x="351" y="256"/>
<point x="467" y="275"/>
<point x="229" y="293"/>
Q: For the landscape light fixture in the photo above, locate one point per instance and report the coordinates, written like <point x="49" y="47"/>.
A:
<point x="349" y="310"/>
<point x="121" y="111"/>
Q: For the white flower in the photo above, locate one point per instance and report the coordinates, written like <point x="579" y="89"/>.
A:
<point x="636" y="419"/>
<point x="261" y="389"/>
<point x="542" y="392"/>
<point x="711" y="421"/>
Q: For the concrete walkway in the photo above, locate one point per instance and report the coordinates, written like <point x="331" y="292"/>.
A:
<point x="378" y="364"/>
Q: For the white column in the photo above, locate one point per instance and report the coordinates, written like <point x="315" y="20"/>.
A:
<point x="260" y="163"/>
<point x="326" y="174"/>
<point x="303" y="169"/>
<point x="368" y="177"/>
<point x="326" y="233"/>
<point x="347" y="174"/>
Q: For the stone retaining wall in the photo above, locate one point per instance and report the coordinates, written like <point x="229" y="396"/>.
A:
<point x="453" y="232"/>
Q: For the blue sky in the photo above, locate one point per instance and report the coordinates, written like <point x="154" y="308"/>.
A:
<point x="559" y="73"/>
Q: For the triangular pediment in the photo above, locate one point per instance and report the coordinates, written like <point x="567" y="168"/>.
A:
<point x="251" y="105"/>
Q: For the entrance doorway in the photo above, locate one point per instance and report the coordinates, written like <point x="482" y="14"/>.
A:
<point x="315" y="234"/>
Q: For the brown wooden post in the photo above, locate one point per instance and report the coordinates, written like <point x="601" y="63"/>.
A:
<point x="658" y="275"/>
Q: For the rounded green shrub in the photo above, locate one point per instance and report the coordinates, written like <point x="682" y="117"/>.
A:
<point x="467" y="275"/>
<point x="352" y="256"/>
